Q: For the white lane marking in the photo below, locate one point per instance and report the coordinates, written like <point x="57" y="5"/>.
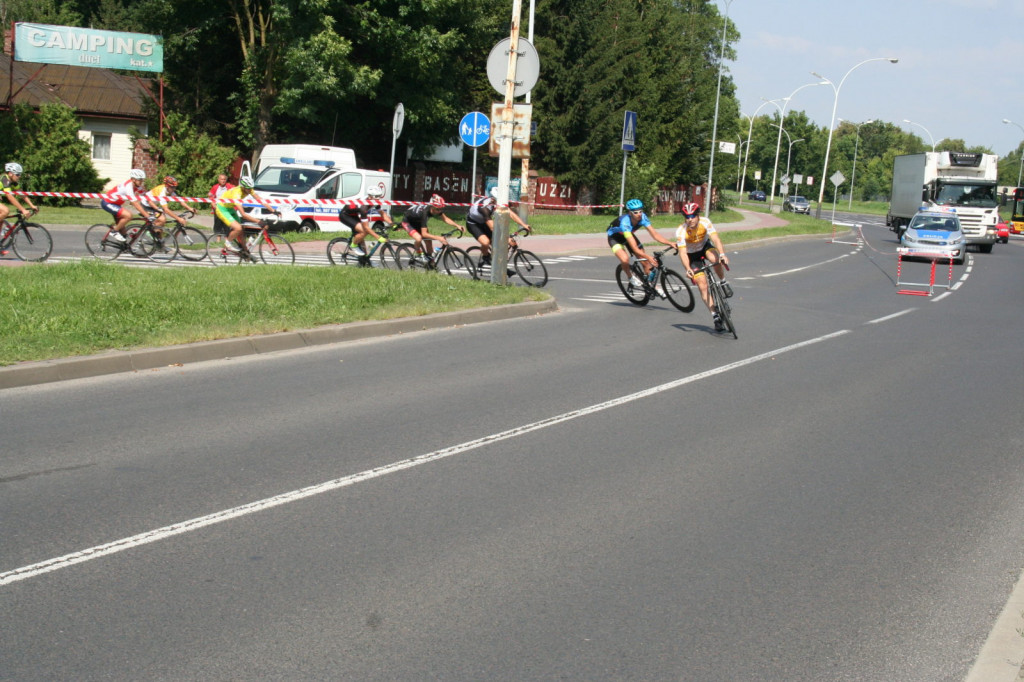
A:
<point x="807" y="267"/>
<point x="148" y="537"/>
<point x="889" y="317"/>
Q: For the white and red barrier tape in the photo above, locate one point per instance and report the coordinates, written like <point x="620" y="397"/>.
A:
<point x="280" y="201"/>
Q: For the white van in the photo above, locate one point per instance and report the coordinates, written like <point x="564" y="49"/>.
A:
<point x="314" y="173"/>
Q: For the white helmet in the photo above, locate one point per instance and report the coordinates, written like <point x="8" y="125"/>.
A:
<point x="137" y="174"/>
<point x="246" y="182"/>
<point x="13" y="168"/>
<point x="375" y="192"/>
<point x="494" y="192"/>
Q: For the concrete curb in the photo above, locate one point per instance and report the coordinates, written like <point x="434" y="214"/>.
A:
<point x="113" y="362"/>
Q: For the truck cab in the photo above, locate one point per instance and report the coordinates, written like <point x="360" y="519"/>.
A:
<point x="318" y="173"/>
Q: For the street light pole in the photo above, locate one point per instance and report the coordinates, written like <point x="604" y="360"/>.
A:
<point x="746" y="158"/>
<point x="778" y="143"/>
<point x="789" y="154"/>
<point x="714" y="126"/>
<point x="856" y="144"/>
<point x="831" y="125"/>
<point x="907" y="120"/>
<point x="1006" y="120"/>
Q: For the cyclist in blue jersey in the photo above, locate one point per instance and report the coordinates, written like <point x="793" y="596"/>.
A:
<point x="624" y="242"/>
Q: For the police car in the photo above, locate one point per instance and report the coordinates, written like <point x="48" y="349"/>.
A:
<point x="935" y="233"/>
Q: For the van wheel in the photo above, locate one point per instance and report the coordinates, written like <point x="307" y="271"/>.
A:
<point x="308" y="226"/>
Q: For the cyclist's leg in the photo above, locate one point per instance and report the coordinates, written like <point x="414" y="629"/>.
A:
<point x="483" y="236"/>
<point x="619" y="249"/>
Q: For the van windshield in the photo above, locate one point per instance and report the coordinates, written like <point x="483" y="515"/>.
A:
<point x="288" y="180"/>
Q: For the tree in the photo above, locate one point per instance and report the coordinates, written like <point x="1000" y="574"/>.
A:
<point x="193" y="157"/>
<point x="53" y="155"/>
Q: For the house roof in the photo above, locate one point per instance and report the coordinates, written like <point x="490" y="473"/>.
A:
<point x="87" y="90"/>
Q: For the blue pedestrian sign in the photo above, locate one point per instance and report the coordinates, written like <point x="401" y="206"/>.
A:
<point x="475" y="129"/>
<point x="629" y="132"/>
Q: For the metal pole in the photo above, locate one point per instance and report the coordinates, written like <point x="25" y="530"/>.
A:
<point x="932" y="139"/>
<point x="746" y="158"/>
<point x="718" y="95"/>
<point x="1006" y="120"/>
<point x="778" y="144"/>
<point x="499" y="254"/>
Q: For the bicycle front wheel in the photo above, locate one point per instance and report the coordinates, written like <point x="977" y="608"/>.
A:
<point x="722" y="306"/>
<point x="141" y="241"/>
<point x="192" y="243"/>
<point x="276" y="250"/>
<point x="165" y="247"/>
<point x="32" y="243"/>
<point x="456" y="261"/>
<point x="338" y="251"/>
<point x="635" y="295"/>
<point x="99" y="242"/>
<point x="530" y="268"/>
<point x="677" y="290"/>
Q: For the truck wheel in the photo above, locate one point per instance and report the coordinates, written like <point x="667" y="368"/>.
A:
<point x="984" y="248"/>
<point x="308" y="226"/>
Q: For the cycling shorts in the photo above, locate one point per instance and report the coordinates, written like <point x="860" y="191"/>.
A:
<point x="697" y="256"/>
<point x="617" y="240"/>
<point x="413" y="230"/>
<point x="112" y="209"/>
<point x="348" y="220"/>
<point x="478" y="229"/>
<point x="227" y="213"/>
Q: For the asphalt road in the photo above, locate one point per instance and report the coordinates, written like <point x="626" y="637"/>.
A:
<point x="605" y="492"/>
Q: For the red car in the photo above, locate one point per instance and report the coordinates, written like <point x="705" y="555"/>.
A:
<point x="1002" y="232"/>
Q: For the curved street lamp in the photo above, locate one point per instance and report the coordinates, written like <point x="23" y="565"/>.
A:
<point x="778" y="143"/>
<point x="831" y="125"/>
<point x="1006" y="120"/>
<point x="789" y="154"/>
<point x="750" y="130"/>
<point x="855" y="145"/>
<point x="907" y="120"/>
<point x="718" y="95"/>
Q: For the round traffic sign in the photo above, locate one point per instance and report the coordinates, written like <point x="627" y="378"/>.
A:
<point x="475" y="129"/>
<point x="527" y="66"/>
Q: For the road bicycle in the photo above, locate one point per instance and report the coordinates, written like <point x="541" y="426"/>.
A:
<point x="271" y="247"/>
<point x="143" y="239"/>
<point x="29" y="241"/>
<point x="447" y="258"/>
<point x="675" y="287"/>
<point x="339" y="250"/>
<point x="718" y="295"/>
<point x="526" y="264"/>
<point x="190" y="243"/>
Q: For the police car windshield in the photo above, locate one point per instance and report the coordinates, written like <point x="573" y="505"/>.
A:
<point x="288" y="180"/>
<point x="944" y="223"/>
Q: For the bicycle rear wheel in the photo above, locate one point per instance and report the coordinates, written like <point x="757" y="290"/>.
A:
<point x="677" y="290"/>
<point x="530" y="268"/>
<point x="100" y="245"/>
<point x="275" y="249"/>
<point x="409" y="260"/>
<point x="32" y="242"/>
<point x="388" y="257"/>
<point x="476" y="257"/>
<point x="635" y="295"/>
<point x="141" y="241"/>
<point x="456" y="261"/>
<point x="338" y="251"/>
<point x="192" y="243"/>
<point x="165" y="247"/>
<point x="220" y="254"/>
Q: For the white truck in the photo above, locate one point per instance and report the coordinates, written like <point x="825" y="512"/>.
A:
<point x="302" y="172"/>
<point x="964" y="181"/>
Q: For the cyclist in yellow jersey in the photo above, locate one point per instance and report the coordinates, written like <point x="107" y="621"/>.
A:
<point x="158" y="203"/>
<point x="697" y="240"/>
<point x="8" y="181"/>
<point x="231" y="210"/>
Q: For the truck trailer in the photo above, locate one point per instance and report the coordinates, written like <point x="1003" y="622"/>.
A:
<point x="963" y="181"/>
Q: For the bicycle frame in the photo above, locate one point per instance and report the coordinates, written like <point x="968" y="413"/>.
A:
<point x="37" y="244"/>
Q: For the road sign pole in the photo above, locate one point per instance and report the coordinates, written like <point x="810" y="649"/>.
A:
<point x="396" y="128"/>
<point x="499" y="252"/>
<point x="622" y="187"/>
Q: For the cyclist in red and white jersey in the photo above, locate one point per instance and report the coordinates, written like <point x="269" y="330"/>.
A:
<point x="125" y="193"/>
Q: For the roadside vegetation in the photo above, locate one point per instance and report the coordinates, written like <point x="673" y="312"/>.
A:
<point x="65" y="309"/>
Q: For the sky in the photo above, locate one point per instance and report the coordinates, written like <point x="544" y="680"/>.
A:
<point x="960" y="69"/>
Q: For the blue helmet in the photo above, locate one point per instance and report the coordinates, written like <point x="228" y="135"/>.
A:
<point x="634" y="205"/>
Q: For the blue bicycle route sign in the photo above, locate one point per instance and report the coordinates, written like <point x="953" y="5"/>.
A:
<point x="475" y="129"/>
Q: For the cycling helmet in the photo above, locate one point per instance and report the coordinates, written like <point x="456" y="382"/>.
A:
<point x="494" y="192"/>
<point x="437" y="201"/>
<point x="375" y="192"/>
<point x="691" y="209"/>
<point x="137" y="174"/>
<point x="245" y="182"/>
<point x="634" y="205"/>
<point x="171" y="181"/>
<point x="13" y="168"/>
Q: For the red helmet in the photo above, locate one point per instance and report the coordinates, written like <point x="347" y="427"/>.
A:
<point x="171" y="181"/>
<point x="691" y="209"/>
<point x="437" y="201"/>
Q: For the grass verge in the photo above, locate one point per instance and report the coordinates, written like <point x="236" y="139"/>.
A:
<point x="67" y="309"/>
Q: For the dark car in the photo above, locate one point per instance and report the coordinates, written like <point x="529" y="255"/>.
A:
<point x="796" y="204"/>
<point x="757" y="195"/>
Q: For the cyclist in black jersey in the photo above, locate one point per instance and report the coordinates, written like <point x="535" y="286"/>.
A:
<point x="480" y="222"/>
<point x="415" y="223"/>
<point x="360" y="218"/>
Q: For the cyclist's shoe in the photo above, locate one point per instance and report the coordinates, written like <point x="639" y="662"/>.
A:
<point x="356" y="251"/>
<point x="116" y="238"/>
<point x="635" y="281"/>
<point x="719" y="325"/>
<point x="486" y="260"/>
<point x="4" y="252"/>
<point x="659" y="291"/>
<point x="727" y="289"/>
